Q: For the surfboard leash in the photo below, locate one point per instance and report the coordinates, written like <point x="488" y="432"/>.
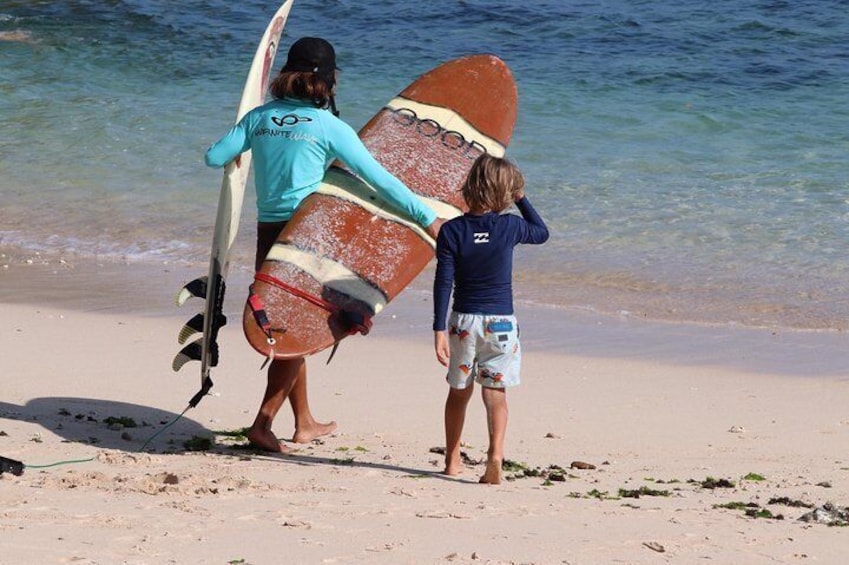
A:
<point x="204" y="390"/>
<point x="17" y="468"/>
<point x="354" y="321"/>
<point x="11" y="466"/>
<point x="261" y="319"/>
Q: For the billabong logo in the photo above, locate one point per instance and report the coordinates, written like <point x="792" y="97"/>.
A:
<point x="482" y="237"/>
<point x="290" y="120"/>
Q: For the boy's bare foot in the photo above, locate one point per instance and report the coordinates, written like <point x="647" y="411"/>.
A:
<point x="308" y="433"/>
<point x="452" y="468"/>
<point x="266" y="440"/>
<point x="492" y="475"/>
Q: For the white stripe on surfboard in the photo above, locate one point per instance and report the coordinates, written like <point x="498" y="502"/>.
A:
<point x="342" y="186"/>
<point x="331" y="274"/>
<point x="449" y="120"/>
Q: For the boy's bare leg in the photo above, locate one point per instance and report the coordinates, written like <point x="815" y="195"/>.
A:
<point x="306" y="428"/>
<point x="455" y="416"/>
<point x="282" y="376"/>
<point x="495" y="400"/>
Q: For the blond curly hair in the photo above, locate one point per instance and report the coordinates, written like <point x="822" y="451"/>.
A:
<point x="492" y="184"/>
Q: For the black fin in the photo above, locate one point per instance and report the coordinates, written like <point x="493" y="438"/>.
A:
<point x="193" y="326"/>
<point x="333" y="352"/>
<point x="196" y="288"/>
<point x="192" y="352"/>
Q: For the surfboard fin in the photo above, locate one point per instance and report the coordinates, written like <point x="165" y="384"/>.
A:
<point x="332" y="352"/>
<point x="196" y="288"/>
<point x="193" y="326"/>
<point x="192" y="352"/>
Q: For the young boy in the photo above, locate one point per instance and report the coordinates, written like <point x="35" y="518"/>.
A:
<point x="475" y="254"/>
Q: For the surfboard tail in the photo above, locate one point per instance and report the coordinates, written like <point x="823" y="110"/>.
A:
<point x="211" y="287"/>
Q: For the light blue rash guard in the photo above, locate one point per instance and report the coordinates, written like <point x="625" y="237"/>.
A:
<point x="293" y="143"/>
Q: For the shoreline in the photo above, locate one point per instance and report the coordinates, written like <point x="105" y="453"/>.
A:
<point x="606" y="295"/>
<point x="111" y="287"/>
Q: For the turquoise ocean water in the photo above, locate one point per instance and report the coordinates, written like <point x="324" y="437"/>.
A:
<point x="690" y="157"/>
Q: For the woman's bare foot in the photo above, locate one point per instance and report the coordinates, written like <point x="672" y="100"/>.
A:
<point x="308" y="433"/>
<point x="492" y="475"/>
<point x="266" y="440"/>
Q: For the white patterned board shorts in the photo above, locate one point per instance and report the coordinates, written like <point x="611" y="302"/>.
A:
<point x="484" y="349"/>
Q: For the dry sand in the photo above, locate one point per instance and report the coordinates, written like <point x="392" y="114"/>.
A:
<point x="676" y="424"/>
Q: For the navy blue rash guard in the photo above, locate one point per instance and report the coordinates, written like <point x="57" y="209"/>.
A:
<point x="475" y="254"/>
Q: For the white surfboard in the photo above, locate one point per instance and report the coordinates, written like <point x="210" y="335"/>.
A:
<point x="212" y="287"/>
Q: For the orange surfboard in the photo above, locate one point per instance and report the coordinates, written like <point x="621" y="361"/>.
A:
<point x="345" y="254"/>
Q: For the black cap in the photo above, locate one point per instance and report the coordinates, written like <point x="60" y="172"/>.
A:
<point x="311" y="54"/>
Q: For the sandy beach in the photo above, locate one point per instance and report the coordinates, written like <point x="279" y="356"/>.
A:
<point x="629" y="443"/>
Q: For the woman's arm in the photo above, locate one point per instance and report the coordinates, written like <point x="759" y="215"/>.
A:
<point x="229" y="147"/>
<point x="350" y="149"/>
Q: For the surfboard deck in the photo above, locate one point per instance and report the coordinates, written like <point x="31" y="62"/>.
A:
<point x="349" y="250"/>
<point x="212" y="287"/>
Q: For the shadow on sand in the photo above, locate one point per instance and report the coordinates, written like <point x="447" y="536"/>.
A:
<point x="132" y="428"/>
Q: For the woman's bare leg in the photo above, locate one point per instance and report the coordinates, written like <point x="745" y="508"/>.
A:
<point x="306" y="428"/>
<point x="282" y="377"/>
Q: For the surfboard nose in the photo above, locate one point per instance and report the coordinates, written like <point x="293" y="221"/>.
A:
<point x="478" y="87"/>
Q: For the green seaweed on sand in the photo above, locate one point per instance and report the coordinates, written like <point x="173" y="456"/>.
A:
<point x="198" y="443"/>
<point x="763" y="513"/>
<point x="712" y="483"/>
<point x="642" y="491"/>
<point x="751" y="509"/>
<point x="787" y="501"/>
<point x="122" y="421"/>
<point x="345" y="448"/>
<point x="514" y="470"/>
<point x="510" y="466"/>
<point x="736" y="505"/>
<point x="237" y="434"/>
<point x="467" y="460"/>
<point x="601" y="495"/>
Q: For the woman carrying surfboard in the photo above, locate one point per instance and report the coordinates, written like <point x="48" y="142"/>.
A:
<point x="293" y="139"/>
